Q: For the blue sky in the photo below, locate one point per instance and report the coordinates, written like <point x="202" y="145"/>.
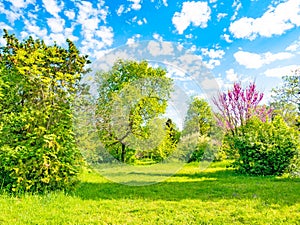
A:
<point x="236" y="40"/>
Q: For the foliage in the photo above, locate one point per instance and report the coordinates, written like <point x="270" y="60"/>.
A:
<point x="132" y="95"/>
<point x="265" y="148"/>
<point x="200" y="130"/>
<point x="168" y="144"/>
<point x="286" y="99"/>
<point x="238" y="105"/>
<point x="290" y="90"/>
<point x="38" y="84"/>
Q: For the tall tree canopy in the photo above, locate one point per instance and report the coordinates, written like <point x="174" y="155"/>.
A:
<point x="38" y="84"/>
<point x="132" y="96"/>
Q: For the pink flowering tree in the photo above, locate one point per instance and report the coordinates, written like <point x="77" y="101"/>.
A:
<point x="238" y="105"/>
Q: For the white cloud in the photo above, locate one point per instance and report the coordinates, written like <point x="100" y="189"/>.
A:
<point x="212" y="53"/>
<point x="165" y="2"/>
<point x="52" y="7"/>
<point x="276" y="21"/>
<point x="106" y="34"/>
<point x="69" y="34"/>
<point x="133" y="39"/>
<point x="130" y="41"/>
<point x="214" y="56"/>
<point x="18" y="4"/>
<point x="189" y="36"/>
<point x="295" y="46"/>
<point x="157" y="37"/>
<point x="212" y="63"/>
<point x="10" y="15"/>
<point x="221" y="15"/>
<point x="227" y="38"/>
<point x="136" y="4"/>
<point x="195" y="13"/>
<point x="95" y="35"/>
<point x="24" y="34"/>
<point x="255" y="61"/>
<point x="281" y="71"/>
<point x="142" y="21"/>
<point x="56" y="24"/>
<point x="35" y="30"/>
<point x="237" y="5"/>
<point x="59" y="38"/>
<point x="120" y="10"/>
<point x="231" y="75"/>
<point x="5" y="26"/>
<point x="70" y="14"/>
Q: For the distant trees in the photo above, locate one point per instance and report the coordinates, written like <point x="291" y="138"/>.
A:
<point x="199" y="127"/>
<point x="286" y="99"/>
<point x="38" y="84"/>
<point x="132" y="96"/>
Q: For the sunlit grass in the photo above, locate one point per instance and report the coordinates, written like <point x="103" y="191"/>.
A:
<point x="215" y="195"/>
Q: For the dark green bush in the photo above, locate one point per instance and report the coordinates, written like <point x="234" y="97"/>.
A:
<point x="265" y="148"/>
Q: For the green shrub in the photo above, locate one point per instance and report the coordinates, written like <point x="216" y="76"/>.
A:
<point x="51" y="166"/>
<point x="265" y="148"/>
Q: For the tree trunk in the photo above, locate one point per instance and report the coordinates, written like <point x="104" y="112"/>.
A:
<point x="123" y="153"/>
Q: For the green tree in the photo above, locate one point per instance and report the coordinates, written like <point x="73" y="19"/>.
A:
<point x="286" y="99"/>
<point x="200" y="124"/>
<point x="38" y="85"/>
<point x="199" y="118"/>
<point x="168" y="144"/>
<point x="132" y="95"/>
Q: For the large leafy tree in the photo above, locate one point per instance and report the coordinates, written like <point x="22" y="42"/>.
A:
<point x="132" y="95"/>
<point x="38" y="86"/>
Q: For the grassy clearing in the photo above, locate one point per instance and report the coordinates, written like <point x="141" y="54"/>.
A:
<point x="212" y="196"/>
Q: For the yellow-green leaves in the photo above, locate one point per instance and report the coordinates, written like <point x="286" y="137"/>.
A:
<point x="38" y="84"/>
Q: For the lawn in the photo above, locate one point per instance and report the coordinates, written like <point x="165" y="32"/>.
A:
<point x="215" y="195"/>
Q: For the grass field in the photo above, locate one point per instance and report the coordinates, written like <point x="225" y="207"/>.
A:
<point x="192" y="196"/>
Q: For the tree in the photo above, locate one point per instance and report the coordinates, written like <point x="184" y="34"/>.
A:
<point x="132" y="95"/>
<point x="238" y="105"/>
<point x="168" y="144"/>
<point x="200" y="124"/>
<point x="38" y="85"/>
<point x="286" y="99"/>
<point x="199" y="118"/>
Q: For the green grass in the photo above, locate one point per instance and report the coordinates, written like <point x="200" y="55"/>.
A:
<point x="192" y="196"/>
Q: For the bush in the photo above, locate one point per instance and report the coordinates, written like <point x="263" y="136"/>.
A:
<point x="265" y="148"/>
<point x="51" y="166"/>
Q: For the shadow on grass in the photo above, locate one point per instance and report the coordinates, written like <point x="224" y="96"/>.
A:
<point x="204" y="186"/>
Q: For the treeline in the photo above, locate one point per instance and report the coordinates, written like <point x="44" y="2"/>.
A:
<point x="51" y="125"/>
